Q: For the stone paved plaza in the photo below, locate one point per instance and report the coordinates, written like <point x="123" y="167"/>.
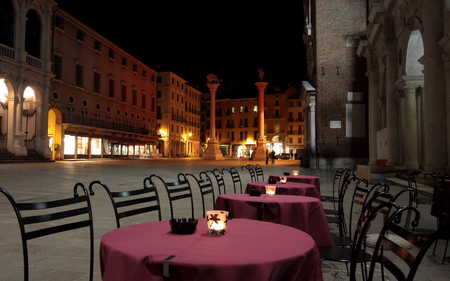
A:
<point x="60" y="257"/>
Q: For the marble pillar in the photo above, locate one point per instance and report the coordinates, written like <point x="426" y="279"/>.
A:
<point x="260" y="154"/>
<point x="212" y="151"/>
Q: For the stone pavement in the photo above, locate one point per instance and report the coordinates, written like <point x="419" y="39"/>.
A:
<point x="60" y="257"/>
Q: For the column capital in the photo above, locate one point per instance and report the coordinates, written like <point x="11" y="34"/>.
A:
<point x="410" y="81"/>
<point x="261" y="85"/>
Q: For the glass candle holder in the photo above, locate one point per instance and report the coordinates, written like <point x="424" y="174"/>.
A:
<point x="271" y="190"/>
<point x="217" y="221"/>
<point x="295" y="173"/>
<point x="282" y="179"/>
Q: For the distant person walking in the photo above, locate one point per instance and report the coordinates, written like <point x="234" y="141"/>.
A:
<point x="267" y="156"/>
<point x="272" y="155"/>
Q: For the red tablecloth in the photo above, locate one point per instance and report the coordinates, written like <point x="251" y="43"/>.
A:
<point x="441" y="203"/>
<point x="301" y="178"/>
<point x="288" y="188"/>
<point x="301" y="212"/>
<point x="251" y="250"/>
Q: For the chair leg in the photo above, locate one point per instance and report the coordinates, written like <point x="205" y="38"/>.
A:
<point x="445" y="251"/>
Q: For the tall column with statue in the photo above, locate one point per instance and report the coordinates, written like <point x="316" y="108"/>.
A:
<point x="260" y="153"/>
<point x="212" y="151"/>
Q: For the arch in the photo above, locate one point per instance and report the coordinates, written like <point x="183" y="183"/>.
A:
<point x="414" y="52"/>
<point x="33" y="34"/>
<point x="55" y="133"/>
<point x="7" y="23"/>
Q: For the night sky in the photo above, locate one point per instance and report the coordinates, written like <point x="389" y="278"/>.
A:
<point x="227" y="38"/>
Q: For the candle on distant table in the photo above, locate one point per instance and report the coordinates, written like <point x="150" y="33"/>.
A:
<point x="295" y="173"/>
<point x="270" y="190"/>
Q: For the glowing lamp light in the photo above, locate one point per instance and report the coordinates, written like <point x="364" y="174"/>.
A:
<point x="270" y="190"/>
<point x="217" y="221"/>
<point x="295" y="173"/>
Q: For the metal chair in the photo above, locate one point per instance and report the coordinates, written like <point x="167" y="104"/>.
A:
<point x="410" y="253"/>
<point x="205" y="185"/>
<point x="374" y="202"/>
<point x="259" y="172"/>
<point x="251" y="171"/>
<point x="177" y="190"/>
<point x="131" y="202"/>
<point x="51" y="217"/>
<point x="217" y="174"/>
<point x="411" y="179"/>
<point x="235" y="178"/>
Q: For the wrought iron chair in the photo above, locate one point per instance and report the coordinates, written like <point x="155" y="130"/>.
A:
<point x="177" y="190"/>
<point x="410" y="253"/>
<point x="411" y="179"/>
<point x="131" y="202"/>
<point x="251" y="171"/>
<point x="375" y="202"/>
<point x="217" y="174"/>
<point x="205" y="185"/>
<point x="337" y="182"/>
<point x="259" y="172"/>
<point x="51" y="217"/>
<point x="235" y="178"/>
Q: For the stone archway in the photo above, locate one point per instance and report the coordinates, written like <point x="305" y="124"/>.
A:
<point x="55" y="133"/>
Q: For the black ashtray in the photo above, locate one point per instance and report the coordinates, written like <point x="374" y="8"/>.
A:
<point x="255" y="192"/>
<point x="272" y="181"/>
<point x="287" y="173"/>
<point x="183" y="226"/>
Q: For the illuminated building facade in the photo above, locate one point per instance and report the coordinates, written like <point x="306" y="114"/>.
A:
<point x="178" y="116"/>
<point x="71" y="93"/>
<point x="237" y="124"/>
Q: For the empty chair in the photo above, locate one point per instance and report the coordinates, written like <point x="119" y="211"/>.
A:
<point x="205" y="185"/>
<point x="131" y="202"/>
<point x="404" y="258"/>
<point x="374" y="202"/>
<point x="235" y="178"/>
<point x="177" y="190"/>
<point x="409" y="176"/>
<point x="46" y="218"/>
<point x="334" y="198"/>
<point x="259" y="172"/>
<point x="251" y="171"/>
<point x="220" y="181"/>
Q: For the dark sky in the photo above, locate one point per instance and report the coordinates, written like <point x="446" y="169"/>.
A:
<point x="228" y="39"/>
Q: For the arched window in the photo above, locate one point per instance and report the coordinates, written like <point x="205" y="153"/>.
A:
<point x="6" y="23"/>
<point x="33" y="34"/>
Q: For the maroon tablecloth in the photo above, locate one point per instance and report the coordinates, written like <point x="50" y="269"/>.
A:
<point x="251" y="250"/>
<point x="288" y="188"/>
<point x="301" y="212"/>
<point x="441" y="202"/>
<point x="300" y="178"/>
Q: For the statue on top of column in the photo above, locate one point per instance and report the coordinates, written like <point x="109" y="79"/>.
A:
<point x="261" y="74"/>
<point x="212" y="79"/>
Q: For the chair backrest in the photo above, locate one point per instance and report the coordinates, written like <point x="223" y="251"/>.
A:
<point x="235" y="178"/>
<point x="52" y="217"/>
<point x="410" y="253"/>
<point x="259" y="172"/>
<point x="251" y="171"/>
<point x="217" y="174"/>
<point x="131" y="202"/>
<point x="350" y="179"/>
<point x="177" y="190"/>
<point x="205" y="185"/>
<point x="411" y="179"/>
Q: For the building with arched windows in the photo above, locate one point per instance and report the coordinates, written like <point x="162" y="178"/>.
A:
<point x="68" y="92"/>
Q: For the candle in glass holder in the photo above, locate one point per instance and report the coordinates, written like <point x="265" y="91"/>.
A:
<point x="282" y="179"/>
<point x="295" y="173"/>
<point x="217" y="221"/>
<point x="270" y="190"/>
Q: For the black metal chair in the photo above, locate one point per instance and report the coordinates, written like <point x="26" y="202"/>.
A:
<point x="259" y="172"/>
<point x="131" y="202"/>
<point x="218" y="176"/>
<point x="51" y="217"/>
<point x="374" y="202"/>
<point x="411" y="179"/>
<point x="251" y="171"/>
<point x="235" y="178"/>
<point x="404" y="258"/>
<point x="205" y="185"/>
<point x="177" y="190"/>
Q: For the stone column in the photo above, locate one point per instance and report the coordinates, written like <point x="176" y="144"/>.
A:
<point x="374" y="116"/>
<point x="213" y="152"/>
<point x="434" y="110"/>
<point x="260" y="154"/>
<point x="410" y="84"/>
<point x="392" y="109"/>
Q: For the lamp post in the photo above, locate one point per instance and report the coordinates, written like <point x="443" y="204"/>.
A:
<point x="212" y="151"/>
<point x="260" y="153"/>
